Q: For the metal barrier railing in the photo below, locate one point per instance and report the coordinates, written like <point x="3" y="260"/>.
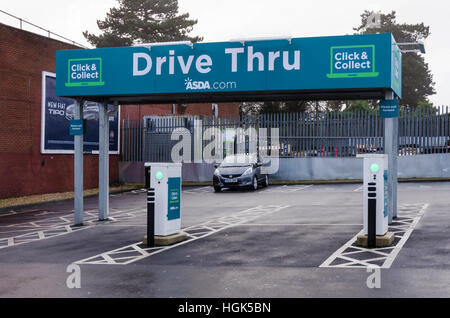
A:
<point x="340" y="134"/>
<point x="49" y="33"/>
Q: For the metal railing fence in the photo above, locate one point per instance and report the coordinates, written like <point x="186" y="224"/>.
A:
<point x="308" y="134"/>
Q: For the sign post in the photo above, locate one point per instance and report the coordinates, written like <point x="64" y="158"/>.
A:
<point x="78" y="165"/>
<point x="103" y="172"/>
<point x="389" y="110"/>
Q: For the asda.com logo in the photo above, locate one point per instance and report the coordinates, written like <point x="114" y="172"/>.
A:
<point x="194" y="85"/>
<point x="206" y="85"/>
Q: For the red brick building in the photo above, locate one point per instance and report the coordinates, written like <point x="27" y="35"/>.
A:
<point x="23" y="169"/>
<point x="205" y="109"/>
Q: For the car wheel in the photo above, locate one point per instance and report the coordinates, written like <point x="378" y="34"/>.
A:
<point x="217" y="189"/>
<point x="255" y="183"/>
<point x="266" y="181"/>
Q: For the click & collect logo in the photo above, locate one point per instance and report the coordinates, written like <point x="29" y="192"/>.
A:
<point x="85" y="72"/>
<point x="352" y="61"/>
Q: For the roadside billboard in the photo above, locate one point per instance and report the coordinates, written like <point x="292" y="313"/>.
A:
<point x="57" y="112"/>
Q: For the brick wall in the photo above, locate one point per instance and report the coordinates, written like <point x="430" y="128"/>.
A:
<point x="138" y="111"/>
<point x="23" y="169"/>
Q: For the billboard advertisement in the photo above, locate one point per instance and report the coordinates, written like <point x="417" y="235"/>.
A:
<point x="57" y="112"/>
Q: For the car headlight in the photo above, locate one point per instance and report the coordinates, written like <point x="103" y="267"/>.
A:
<point x="248" y="171"/>
<point x="217" y="173"/>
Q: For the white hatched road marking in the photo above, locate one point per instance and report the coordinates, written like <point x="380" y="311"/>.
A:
<point x="12" y="212"/>
<point x="58" y="226"/>
<point x="273" y="188"/>
<point x="409" y="216"/>
<point x="195" y="232"/>
<point x="39" y="235"/>
<point x="285" y="188"/>
<point x="301" y="224"/>
<point x="206" y="189"/>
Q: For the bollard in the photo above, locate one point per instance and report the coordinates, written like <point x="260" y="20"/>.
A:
<point x="147" y="177"/>
<point x="375" y="208"/>
<point x="372" y="216"/>
<point x="150" y="217"/>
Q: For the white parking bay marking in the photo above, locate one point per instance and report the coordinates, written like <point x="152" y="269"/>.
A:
<point x="359" y="189"/>
<point x="286" y="189"/>
<point x="57" y="226"/>
<point x="206" y="189"/>
<point x="137" y="251"/>
<point x="352" y="256"/>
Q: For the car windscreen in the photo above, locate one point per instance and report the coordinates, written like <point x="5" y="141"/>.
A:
<point x="238" y="161"/>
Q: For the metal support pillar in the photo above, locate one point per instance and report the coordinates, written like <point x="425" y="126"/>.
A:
<point x="78" y="167"/>
<point x="391" y="149"/>
<point x="103" y="158"/>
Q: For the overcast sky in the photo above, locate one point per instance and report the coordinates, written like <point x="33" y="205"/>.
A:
<point x="221" y="20"/>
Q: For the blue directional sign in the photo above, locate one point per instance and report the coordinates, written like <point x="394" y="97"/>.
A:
<point x="389" y="108"/>
<point x="318" y="64"/>
<point x="76" y="127"/>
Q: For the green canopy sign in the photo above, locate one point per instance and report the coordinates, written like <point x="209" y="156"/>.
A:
<point x="354" y="66"/>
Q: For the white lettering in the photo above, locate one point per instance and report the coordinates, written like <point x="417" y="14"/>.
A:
<point x="171" y="62"/>
<point x="252" y="56"/>
<point x="234" y="52"/>
<point x="185" y="67"/>
<point x="159" y="62"/>
<point x="272" y="57"/>
<point x="148" y="67"/>
<point x="296" y="65"/>
<point x="203" y="64"/>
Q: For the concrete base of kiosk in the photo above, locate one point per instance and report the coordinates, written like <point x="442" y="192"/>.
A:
<point x="168" y="240"/>
<point x="381" y="240"/>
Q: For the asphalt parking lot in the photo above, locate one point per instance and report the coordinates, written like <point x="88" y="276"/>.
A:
<point x="280" y="241"/>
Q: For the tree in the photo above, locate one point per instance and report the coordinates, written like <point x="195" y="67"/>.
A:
<point x="143" y="21"/>
<point x="417" y="80"/>
<point x="273" y="107"/>
<point x="358" y="105"/>
<point x="249" y="108"/>
<point x="270" y="107"/>
<point x="295" y="106"/>
<point x="426" y="108"/>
